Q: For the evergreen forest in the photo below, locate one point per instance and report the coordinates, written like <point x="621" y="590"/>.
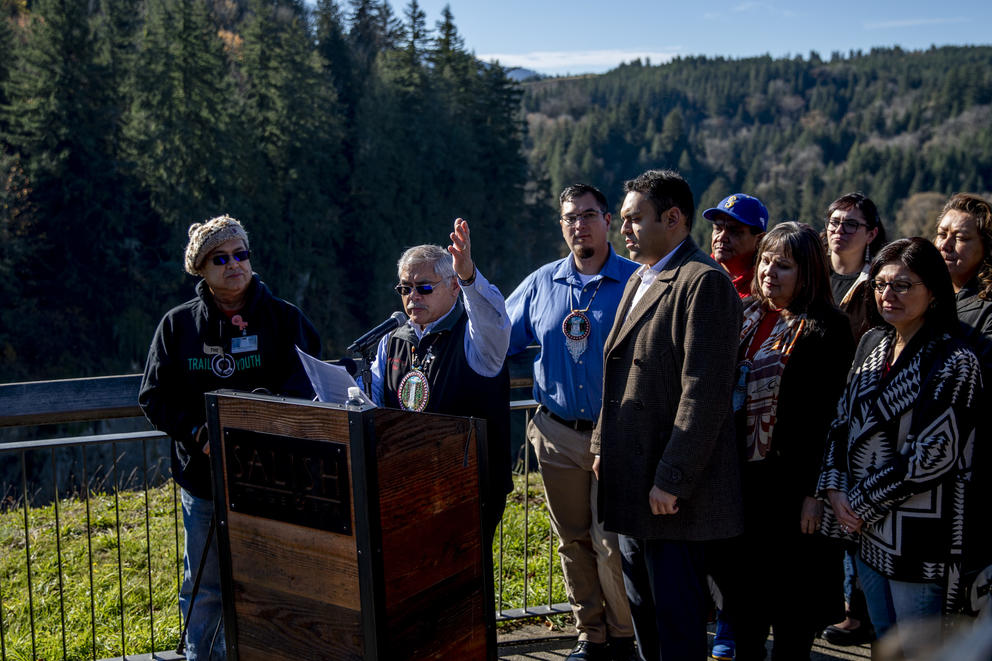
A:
<point x="341" y="132"/>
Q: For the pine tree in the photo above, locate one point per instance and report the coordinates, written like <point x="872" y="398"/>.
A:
<point x="61" y="182"/>
<point x="416" y="34"/>
<point x="338" y="63"/>
<point x="292" y="123"/>
<point x="180" y="128"/>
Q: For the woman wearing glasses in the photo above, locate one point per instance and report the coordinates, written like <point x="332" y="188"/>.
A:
<point x="795" y="348"/>
<point x="233" y="334"/>
<point x="854" y="233"/>
<point x="899" y="452"/>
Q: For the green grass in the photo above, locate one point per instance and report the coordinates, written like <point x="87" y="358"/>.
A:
<point x="107" y="597"/>
<point x="44" y="606"/>
<point x="538" y="545"/>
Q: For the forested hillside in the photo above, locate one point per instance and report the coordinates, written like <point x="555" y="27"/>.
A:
<point x="339" y="134"/>
<point x="796" y="132"/>
<point x="342" y="132"/>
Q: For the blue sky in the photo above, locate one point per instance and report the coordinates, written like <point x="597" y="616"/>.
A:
<point x="583" y="36"/>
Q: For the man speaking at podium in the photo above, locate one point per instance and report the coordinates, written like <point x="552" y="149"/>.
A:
<point x="448" y="357"/>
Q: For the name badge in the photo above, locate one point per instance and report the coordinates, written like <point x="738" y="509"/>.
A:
<point x="244" y="344"/>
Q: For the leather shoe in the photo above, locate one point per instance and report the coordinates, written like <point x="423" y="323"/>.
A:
<point x="585" y="650"/>
<point x="848" y="637"/>
<point x="623" y="649"/>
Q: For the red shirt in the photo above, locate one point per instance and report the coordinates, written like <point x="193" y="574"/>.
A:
<point x="741" y="279"/>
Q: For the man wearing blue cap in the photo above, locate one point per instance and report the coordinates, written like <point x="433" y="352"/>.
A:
<point x="739" y="222"/>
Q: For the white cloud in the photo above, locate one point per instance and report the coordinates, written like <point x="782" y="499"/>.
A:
<point x="574" y="62"/>
<point x="912" y="23"/>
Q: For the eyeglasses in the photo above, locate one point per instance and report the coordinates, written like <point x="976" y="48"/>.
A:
<point x="847" y="226"/>
<point x="239" y="256"/>
<point x="588" y="216"/>
<point x="422" y="289"/>
<point x="898" y="286"/>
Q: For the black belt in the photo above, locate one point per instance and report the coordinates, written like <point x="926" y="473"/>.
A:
<point x="577" y="425"/>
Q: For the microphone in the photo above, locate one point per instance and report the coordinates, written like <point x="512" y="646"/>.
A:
<point x="374" y="335"/>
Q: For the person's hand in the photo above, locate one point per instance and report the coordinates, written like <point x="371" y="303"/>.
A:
<point x="847" y="517"/>
<point x="461" y="251"/>
<point x="809" y="520"/>
<point x="595" y="466"/>
<point x="662" y="502"/>
<point x="199" y="436"/>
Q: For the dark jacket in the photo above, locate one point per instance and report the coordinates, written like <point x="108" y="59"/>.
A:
<point x="975" y="316"/>
<point x="666" y="419"/>
<point x="775" y="488"/>
<point x="191" y="354"/>
<point x="857" y="307"/>
<point x="812" y="382"/>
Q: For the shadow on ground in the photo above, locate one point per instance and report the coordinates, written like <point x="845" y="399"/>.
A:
<point x="534" y="642"/>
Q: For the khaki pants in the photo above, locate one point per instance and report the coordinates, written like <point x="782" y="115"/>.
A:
<point x="590" y="556"/>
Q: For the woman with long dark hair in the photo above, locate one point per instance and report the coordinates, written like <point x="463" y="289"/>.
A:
<point x="795" y="347"/>
<point x="899" y="452"/>
<point x="854" y="233"/>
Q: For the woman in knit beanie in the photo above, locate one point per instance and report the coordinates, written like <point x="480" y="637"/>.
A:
<point x="234" y="334"/>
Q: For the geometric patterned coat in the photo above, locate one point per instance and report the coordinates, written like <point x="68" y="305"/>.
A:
<point x="901" y="448"/>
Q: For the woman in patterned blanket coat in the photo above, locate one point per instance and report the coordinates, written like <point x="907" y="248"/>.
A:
<point x="899" y="453"/>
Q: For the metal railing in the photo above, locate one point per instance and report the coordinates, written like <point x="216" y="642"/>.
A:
<point x="549" y="607"/>
<point x="77" y="577"/>
<point x="125" y="614"/>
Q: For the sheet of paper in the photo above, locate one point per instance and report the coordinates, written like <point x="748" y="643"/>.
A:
<point x="330" y="382"/>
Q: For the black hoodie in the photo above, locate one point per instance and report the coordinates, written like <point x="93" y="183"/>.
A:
<point x="191" y="354"/>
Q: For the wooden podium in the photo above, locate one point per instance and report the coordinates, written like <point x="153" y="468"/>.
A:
<point x="349" y="532"/>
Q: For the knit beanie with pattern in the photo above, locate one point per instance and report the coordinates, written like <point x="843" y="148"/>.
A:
<point x="205" y="236"/>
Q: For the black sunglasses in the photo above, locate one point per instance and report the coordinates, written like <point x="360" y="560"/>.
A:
<point x="423" y="290"/>
<point x="239" y="256"/>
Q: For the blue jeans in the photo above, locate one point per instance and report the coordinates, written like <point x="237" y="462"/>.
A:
<point x="892" y="602"/>
<point x="208" y="605"/>
<point x="854" y="596"/>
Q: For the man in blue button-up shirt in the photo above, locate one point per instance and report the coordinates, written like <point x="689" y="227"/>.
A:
<point x="567" y="307"/>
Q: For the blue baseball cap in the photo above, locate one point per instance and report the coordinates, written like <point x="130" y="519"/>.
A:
<point x="742" y="208"/>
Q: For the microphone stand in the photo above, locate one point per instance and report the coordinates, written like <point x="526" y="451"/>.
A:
<point x="366" y="352"/>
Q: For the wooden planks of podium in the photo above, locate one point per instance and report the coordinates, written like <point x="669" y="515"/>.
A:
<point x="349" y="532"/>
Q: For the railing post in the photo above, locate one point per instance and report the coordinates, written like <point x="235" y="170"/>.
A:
<point x="526" y="510"/>
<point x="27" y="550"/>
<point x="58" y="549"/>
<point x="89" y="547"/>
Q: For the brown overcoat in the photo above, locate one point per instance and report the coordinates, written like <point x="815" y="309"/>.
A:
<point x="666" y="419"/>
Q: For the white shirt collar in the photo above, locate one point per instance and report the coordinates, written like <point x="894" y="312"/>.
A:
<point x="648" y="274"/>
